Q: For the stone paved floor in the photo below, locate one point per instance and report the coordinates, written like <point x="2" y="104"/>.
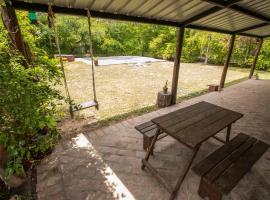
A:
<point x="105" y="164"/>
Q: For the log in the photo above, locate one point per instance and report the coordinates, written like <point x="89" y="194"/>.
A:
<point x="164" y="99"/>
<point x="213" y="87"/>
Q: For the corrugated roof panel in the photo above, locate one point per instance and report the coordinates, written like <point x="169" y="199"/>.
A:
<point x="161" y="8"/>
<point x="146" y="7"/>
<point x="260" y="6"/>
<point x="165" y="11"/>
<point x="263" y="31"/>
<point x="174" y="7"/>
<point x="115" y="5"/>
<point x="189" y="10"/>
<point x="195" y="10"/>
<point x="228" y="20"/>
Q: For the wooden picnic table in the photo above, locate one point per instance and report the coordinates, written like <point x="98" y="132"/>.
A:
<point x="191" y="126"/>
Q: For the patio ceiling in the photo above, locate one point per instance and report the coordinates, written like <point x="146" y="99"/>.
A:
<point x="244" y="17"/>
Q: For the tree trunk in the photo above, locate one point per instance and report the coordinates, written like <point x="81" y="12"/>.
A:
<point x="207" y="49"/>
<point x="10" y="21"/>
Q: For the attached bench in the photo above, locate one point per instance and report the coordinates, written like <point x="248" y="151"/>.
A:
<point x="222" y="170"/>
<point x="148" y="129"/>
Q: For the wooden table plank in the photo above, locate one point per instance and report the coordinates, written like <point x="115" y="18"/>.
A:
<point x="193" y="124"/>
<point x="181" y="111"/>
<point x="189" y="118"/>
<point x="198" y="134"/>
<point x="213" y="159"/>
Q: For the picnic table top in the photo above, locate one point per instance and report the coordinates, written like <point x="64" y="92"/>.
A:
<point x="195" y="124"/>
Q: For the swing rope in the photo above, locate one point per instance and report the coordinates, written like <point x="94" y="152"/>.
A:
<point x="92" y="57"/>
<point x="72" y="108"/>
<point x="52" y="24"/>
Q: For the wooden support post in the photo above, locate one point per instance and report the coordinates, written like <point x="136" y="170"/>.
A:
<point x="177" y="58"/>
<point x="227" y="62"/>
<point x="253" y="67"/>
<point x="10" y="21"/>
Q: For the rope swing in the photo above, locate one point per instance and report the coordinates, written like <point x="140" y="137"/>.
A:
<point x="73" y="108"/>
<point x="92" y="57"/>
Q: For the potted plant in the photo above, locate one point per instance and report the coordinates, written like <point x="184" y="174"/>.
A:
<point x="165" y="87"/>
<point x="257" y="76"/>
<point x="95" y="61"/>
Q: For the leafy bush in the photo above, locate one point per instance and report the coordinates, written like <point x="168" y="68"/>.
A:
<point x="27" y="102"/>
<point x="263" y="62"/>
<point x="191" y="48"/>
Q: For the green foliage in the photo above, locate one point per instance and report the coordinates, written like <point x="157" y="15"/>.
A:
<point x="191" y="49"/>
<point x="263" y="62"/>
<point x="126" y="38"/>
<point x="27" y="101"/>
<point x="164" y="44"/>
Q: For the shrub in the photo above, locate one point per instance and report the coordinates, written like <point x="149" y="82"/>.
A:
<point x="27" y="105"/>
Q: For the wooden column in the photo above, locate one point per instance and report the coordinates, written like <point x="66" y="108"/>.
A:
<point x="227" y="62"/>
<point x="177" y="58"/>
<point x="253" y="67"/>
<point x="10" y="21"/>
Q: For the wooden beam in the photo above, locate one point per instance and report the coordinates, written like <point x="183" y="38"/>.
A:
<point x="253" y="67"/>
<point x="177" y="58"/>
<point x="227" y="62"/>
<point x="10" y="22"/>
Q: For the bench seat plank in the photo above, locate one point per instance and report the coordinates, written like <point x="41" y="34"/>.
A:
<point x="84" y="105"/>
<point x="213" y="159"/>
<point x="228" y="180"/>
<point x="144" y="125"/>
<point x="149" y="128"/>
<point x="223" y="165"/>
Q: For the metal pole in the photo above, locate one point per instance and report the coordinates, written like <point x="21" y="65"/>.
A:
<point x="227" y="62"/>
<point x="253" y="67"/>
<point x="177" y="58"/>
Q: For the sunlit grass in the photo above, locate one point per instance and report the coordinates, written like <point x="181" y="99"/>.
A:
<point x="125" y="90"/>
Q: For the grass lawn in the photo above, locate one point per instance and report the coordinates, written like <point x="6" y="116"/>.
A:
<point x="125" y="88"/>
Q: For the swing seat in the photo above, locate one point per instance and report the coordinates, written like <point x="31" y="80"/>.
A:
<point x="84" y="105"/>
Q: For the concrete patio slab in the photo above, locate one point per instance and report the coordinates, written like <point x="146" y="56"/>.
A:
<point x="105" y="163"/>
<point x="116" y="60"/>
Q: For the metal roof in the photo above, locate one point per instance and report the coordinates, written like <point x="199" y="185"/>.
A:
<point x="245" y="17"/>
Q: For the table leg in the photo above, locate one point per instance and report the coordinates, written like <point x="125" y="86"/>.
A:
<point x="228" y="133"/>
<point x="150" y="150"/>
<point x="182" y="177"/>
